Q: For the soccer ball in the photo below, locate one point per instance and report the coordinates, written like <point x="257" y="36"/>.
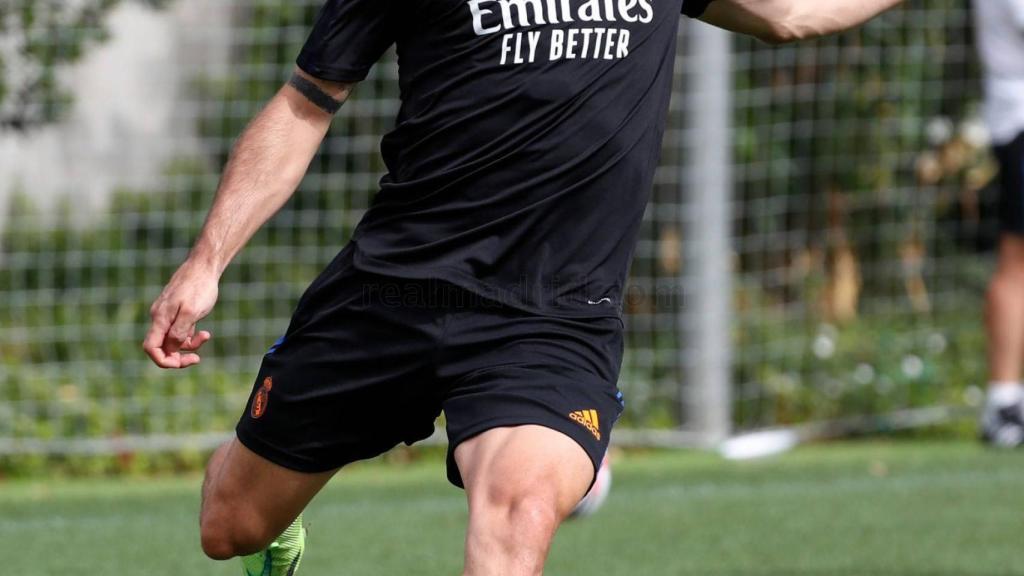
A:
<point x="598" y="493"/>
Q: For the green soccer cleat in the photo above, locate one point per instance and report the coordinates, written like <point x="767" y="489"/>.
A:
<point x="282" y="557"/>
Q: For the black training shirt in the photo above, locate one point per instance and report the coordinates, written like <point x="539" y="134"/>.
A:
<point x="525" y="148"/>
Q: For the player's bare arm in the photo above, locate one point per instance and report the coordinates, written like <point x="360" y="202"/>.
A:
<point x="265" y="167"/>
<point x="781" y="21"/>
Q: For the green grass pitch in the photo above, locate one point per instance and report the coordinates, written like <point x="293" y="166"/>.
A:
<point x="879" y="509"/>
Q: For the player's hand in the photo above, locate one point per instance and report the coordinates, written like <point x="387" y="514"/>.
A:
<point x="172" y="341"/>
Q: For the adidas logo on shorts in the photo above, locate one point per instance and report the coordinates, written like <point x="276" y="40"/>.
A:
<point x="588" y="418"/>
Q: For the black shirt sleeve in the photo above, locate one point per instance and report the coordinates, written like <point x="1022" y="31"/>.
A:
<point x="694" y="8"/>
<point x="348" y="38"/>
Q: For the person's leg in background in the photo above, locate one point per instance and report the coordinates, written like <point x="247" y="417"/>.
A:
<point x="1003" y="420"/>
<point x="1005" y="324"/>
<point x="1005" y="314"/>
<point x="521" y="483"/>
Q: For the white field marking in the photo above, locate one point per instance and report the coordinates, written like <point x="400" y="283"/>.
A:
<point x="759" y="444"/>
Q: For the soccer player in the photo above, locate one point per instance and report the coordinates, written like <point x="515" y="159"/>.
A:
<point x="485" y="280"/>
<point x="1000" y="26"/>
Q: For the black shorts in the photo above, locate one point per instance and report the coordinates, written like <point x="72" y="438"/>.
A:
<point x="1011" y="176"/>
<point x="371" y="361"/>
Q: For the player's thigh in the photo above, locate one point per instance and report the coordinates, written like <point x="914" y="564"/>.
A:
<point x="246" y="489"/>
<point x="505" y="466"/>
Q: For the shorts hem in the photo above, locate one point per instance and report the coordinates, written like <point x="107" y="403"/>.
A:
<point x="574" y="431"/>
<point x="277" y="456"/>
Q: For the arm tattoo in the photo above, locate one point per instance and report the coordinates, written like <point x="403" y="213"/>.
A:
<point x="315" y="94"/>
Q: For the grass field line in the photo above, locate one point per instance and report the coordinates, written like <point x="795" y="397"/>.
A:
<point x="705" y="490"/>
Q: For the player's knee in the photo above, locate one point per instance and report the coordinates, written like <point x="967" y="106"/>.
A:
<point x="225" y="536"/>
<point x="217" y="545"/>
<point x="538" y="516"/>
<point x="523" y="512"/>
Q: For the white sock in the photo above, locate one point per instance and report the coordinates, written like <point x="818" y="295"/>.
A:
<point x="1005" y="393"/>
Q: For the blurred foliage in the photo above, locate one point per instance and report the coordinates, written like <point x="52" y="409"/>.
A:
<point x="862" y="195"/>
<point x="77" y="302"/>
<point x="41" y="38"/>
<point x="866" y="140"/>
<point x="74" y="298"/>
